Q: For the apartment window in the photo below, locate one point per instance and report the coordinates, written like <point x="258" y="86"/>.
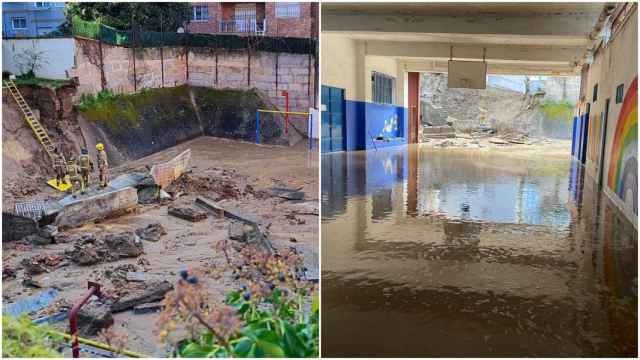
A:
<point x="595" y="92"/>
<point x="19" y="23"/>
<point x="43" y="5"/>
<point x="287" y="10"/>
<point x="382" y="87"/>
<point x="619" y="93"/>
<point x="200" y="13"/>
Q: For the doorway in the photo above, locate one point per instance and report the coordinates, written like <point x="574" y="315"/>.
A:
<point x="413" y="107"/>
<point x="332" y="119"/>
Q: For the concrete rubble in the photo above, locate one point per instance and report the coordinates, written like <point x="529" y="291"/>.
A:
<point x="150" y="292"/>
<point x="151" y="232"/>
<point x="187" y="213"/>
<point x="131" y="237"/>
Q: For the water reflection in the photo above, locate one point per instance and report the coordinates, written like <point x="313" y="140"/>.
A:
<point x="435" y="252"/>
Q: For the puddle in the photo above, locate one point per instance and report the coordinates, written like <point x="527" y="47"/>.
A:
<point x="441" y="252"/>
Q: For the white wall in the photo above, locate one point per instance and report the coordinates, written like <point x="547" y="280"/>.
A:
<point x="57" y="55"/>
<point x="342" y="62"/>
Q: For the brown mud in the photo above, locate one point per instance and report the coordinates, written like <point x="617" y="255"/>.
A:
<point x="237" y="175"/>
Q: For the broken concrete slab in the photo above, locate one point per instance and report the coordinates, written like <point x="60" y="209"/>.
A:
<point x="148" y="308"/>
<point x="100" y="206"/>
<point x="187" y="213"/>
<point x="152" y="232"/>
<point x="286" y="193"/>
<point x="124" y="244"/>
<point x="94" y="317"/>
<point x="16" y="227"/>
<point x="166" y="173"/>
<point x="219" y="211"/>
<point x="152" y="292"/>
<point x="126" y="180"/>
<point x="85" y="255"/>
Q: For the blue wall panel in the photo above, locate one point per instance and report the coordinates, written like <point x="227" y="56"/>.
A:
<point x="388" y="122"/>
<point x="355" y="125"/>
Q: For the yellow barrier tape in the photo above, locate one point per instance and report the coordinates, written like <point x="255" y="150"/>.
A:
<point x="284" y="112"/>
<point x="101" y="345"/>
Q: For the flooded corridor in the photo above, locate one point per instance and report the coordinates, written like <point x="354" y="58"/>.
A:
<point x="460" y="252"/>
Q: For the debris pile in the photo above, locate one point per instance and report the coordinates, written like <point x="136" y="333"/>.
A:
<point x="113" y="246"/>
<point x="223" y="187"/>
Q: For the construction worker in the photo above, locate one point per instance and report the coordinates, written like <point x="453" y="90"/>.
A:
<point x="103" y="165"/>
<point x="75" y="177"/>
<point x="86" y="166"/>
<point x="60" y="167"/>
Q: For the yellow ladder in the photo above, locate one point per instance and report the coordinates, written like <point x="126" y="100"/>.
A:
<point x="38" y="129"/>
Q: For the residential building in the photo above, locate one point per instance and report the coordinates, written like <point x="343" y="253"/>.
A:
<point x="30" y="19"/>
<point x="289" y="19"/>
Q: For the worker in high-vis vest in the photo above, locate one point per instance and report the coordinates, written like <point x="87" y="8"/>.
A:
<point x="86" y="166"/>
<point x="103" y="165"/>
<point x="77" y="183"/>
<point x="60" y="167"/>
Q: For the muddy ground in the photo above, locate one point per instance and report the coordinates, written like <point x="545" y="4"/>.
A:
<point x="233" y="173"/>
<point x="515" y="146"/>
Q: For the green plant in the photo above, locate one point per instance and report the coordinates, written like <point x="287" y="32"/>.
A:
<point x="273" y="314"/>
<point x="557" y="110"/>
<point x="21" y="338"/>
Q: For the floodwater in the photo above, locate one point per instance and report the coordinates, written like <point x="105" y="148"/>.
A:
<point x="443" y="252"/>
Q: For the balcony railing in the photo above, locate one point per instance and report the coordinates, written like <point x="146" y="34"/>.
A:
<point x="248" y="25"/>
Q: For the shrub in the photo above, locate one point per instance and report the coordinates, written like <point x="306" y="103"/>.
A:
<point x="273" y="314"/>
<point x="21" y="338"/>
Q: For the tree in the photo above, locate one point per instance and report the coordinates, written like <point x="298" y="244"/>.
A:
<point x="29" y="61"/>
<point x="120" y="15"/>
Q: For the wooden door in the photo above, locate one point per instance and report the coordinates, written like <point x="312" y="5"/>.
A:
<point x="414" y="107"/>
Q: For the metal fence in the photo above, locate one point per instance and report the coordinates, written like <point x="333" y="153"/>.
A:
<point x="142" y="39"/>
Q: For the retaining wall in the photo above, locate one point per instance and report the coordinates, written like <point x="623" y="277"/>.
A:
<point x="216" y="68"/>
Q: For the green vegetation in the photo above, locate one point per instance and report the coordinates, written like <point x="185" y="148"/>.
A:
<point x="122" y="111"/>
<point x="122" y="15"/>
<point x="21" y="339"/>
<point x="30" y="79"/>
<point x="275" y="313"/>
<point x="557" y="110"/>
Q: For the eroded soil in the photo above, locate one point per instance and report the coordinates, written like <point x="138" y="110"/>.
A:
<point x="236" y="174"/>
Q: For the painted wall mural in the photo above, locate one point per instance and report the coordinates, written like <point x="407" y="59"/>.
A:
<point x="623" y="167"/>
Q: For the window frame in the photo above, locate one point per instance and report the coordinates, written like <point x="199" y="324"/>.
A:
<point x="13" y="24"/>
<point x="380" y="84"/>
<point x="204" y="15"/>
<point x="620" y="93"/>
<point x="284" y="10"/>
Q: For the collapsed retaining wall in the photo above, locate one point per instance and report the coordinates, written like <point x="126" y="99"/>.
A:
<point x="100" y="66"/>
<point x="140" y="124"/>
<point x="106" y="204"/>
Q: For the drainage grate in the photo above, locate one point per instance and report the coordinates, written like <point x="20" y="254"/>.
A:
<point x="31" y="209"/>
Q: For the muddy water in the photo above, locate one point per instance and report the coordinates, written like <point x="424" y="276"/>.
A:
<point x="436" y="252"/>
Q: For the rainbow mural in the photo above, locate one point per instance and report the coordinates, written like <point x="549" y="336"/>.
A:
<point x="623" y="165"/>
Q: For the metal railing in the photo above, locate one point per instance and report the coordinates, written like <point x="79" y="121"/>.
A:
<point x="248" y="25"/>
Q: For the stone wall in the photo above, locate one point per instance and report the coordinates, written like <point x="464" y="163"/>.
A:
<point x="202" y="67"/>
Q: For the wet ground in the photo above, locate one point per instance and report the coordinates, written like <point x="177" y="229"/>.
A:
<point x="186" y="244"/>
<point x="468" y="252"/>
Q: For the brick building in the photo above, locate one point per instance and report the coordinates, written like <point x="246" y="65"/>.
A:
<point x="290" y="19"/>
